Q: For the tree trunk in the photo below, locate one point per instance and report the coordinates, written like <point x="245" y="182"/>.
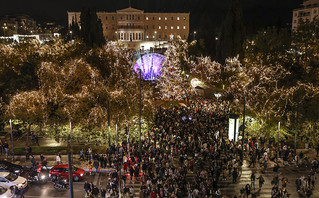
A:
<point x="28" y="134"/>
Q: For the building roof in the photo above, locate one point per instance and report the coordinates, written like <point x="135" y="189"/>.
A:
<point x="130" y="9"/>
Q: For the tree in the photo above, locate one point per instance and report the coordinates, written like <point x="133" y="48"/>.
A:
<point x="232" y="33"/>
<point x="173" y="84"/>
<point x="91" y="28"/>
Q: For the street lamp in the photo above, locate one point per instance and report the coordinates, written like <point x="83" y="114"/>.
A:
<point x="4" y="30"/>
<point x="71" y="34"/>
<point x="217" y="95"/>
<point x="11" y="138"/>
<point x="195" y="35"/>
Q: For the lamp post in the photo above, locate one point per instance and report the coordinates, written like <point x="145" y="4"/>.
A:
<point x="217" y="95"/>
<point x="140" y="112"/>
<point x="11" y="138"/>
<point x="4" y="30"/>
<point x="195" y="35"/>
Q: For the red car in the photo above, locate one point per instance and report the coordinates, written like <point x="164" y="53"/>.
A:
<point x="63" y="169"/>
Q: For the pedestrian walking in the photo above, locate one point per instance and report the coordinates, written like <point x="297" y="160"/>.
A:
<point x="15" y="192"/>
<point x="248" y="190"/>
<point x="86" y="188"/>
<point x="252" y="180"/>
<point x="96" y="165"/>
<point x="58" y="159"/>
<point x="235" y="174"/>
<point x="22" y="192"/>
<point x="81" y="155"/>
<point x="260" y="181"/>
<point x="90" y="166"/>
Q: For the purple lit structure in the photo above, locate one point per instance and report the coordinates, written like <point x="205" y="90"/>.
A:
<point x="150" y="64"/>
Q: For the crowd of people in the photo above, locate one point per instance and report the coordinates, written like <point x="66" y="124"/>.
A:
<point x="185" y="154"/>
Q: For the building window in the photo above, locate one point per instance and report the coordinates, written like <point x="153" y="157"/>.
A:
<point x="147" y="37"/>
<point x="184" y="36"/>
<point x="146" y="18"/>
<point x="133" y="25"/>
<point x="121" y="17"/>
<point x="172" y="27"/>
<point x="153" y="18"/>
<point x="184" y="18"/>
<point x="172" y="18"/>
<point x="138" y="18"/>
<point x="165" y="36"/>
<point x="106" y="18"/>
<point x="113" y="18"/>
<point x="147" y="27"/>
<point x="178" y="18"/>
<point x="106" y="27"/>
<point x="165" y="27"/>
<point x="184" y="27"/>
<point x="133" y="17"/>
<point x="126" y="17"/>
<point x="112" y="27"/>
<point x="178" y="27"/>
<point x="159" y="18"/>
<point x="107" y="37"/>
<point x="72" y="18"/>
<point x="165" y="18"/>
<point x="159" y="27"/>
<point x="153" y="27"/>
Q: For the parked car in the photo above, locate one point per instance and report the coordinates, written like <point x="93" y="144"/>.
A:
<point x="10" y="179"/>
<point x="5" y="192"/>
<point x="63" y="170"/>
<point x="6" y="166"/>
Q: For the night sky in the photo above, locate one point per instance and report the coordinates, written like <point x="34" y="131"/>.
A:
<point x="257" y="13"/>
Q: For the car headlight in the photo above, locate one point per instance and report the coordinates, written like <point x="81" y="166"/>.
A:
<point x="19" y="185"/>
<point x="64" y="180"/>
<point x="81" y="175"/>
<point x="17" y="171"/>
<point x="42" y="176"/>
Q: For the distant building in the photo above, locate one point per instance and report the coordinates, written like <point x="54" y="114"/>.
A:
<point x="21" y="24"/>
<point x="308" y="12"/>
<point x="138" y="29"/>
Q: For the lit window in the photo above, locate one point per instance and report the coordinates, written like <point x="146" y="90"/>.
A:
<point x="159" y="27"/>
<point x="165" y="27"/>
<point x="147" y="36"/>
<point x="165" y="18"/>
<point x="184" y="27"/>
<point x="178" y="27"/>
<point x="172" y="27"/>
<point x="146" y="18"/>
<point x="178" y="18"/>
<point x="159" y="18"/>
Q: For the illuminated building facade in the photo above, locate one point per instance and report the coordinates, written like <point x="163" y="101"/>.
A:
<point x="308" y="12"/>
<point x="137" y="29"/>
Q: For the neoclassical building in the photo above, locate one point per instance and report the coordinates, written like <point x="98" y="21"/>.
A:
<point x="138" y="29"/>
<point x="309" y="11"/>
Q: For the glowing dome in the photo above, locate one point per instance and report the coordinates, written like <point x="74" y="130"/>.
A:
<point x="150" y="64"/>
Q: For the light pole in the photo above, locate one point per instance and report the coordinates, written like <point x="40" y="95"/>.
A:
<point x="140" y="113"/>
<point x="195" y="35"/>
<point x="217" y="95"/>
<point x="12" y="139"/>
<point x="4" y="30"/>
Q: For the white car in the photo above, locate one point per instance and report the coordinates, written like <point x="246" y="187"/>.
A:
<point x="5" y="192"/>
<point x="9" y="179"/>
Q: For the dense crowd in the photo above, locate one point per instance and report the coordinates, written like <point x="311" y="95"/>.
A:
<point x="183" y="155"/>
